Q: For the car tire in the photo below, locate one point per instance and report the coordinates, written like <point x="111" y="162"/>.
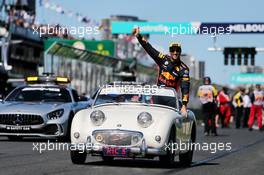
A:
<point x="107" y="158"/>
<point x="67" y="137"/>
<point x="186" y="158"/>
<point x="168" y="159"/>
<point x="15" y="138"/>
<point x="78" y="157"/>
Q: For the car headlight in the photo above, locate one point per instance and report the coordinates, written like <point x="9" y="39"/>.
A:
<point x="55" y="114"/>
<point x="97" y="117"/>
<point x="99" y="137"/>
<point x="144" y="119"/>
<point x="135" y="139"/>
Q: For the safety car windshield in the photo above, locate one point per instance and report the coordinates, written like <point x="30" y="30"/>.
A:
<point x="40" y="94"/>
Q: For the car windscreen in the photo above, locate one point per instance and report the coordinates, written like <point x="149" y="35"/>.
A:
<point x="136" y="98"/>
<point x="156" y="96"/>
<point x="40" y="94"/>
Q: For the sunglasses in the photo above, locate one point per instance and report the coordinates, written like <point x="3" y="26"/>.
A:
<point x="175" y="49"/>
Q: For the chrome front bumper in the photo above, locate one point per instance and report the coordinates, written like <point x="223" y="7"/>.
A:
<point x="140" y="150"/>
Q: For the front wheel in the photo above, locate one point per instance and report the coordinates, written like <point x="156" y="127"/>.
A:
<point x="78" y="157"/>
<point x="67" y="137"/>
<point x="168" y="159"/>
<point x="186" y="158"/>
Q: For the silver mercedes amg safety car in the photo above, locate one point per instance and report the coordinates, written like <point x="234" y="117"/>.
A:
<point x="44" y="107"/>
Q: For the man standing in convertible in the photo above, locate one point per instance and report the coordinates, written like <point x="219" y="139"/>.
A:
<point x="172" y="71"/>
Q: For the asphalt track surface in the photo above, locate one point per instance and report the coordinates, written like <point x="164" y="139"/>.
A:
<point x="245" y="157"/>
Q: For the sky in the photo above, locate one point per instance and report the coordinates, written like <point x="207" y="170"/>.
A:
<point x="177" y="11"/>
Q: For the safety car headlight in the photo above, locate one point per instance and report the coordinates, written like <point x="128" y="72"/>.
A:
<point x="144" y="119"/>
<point x="55" y="114"/>
<point x="97" y="117"/>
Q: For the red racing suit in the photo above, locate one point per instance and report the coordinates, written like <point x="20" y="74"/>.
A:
<point x="171" y="74"/>
<point x="224" y="108"/>
<point x="257" y="99"/>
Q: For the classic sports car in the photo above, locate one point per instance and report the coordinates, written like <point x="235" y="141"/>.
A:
<point x="42" y="108"/>
<point x="133" y="121"/>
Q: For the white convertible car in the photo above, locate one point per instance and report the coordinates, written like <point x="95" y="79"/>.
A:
<point x="133" y="121"/>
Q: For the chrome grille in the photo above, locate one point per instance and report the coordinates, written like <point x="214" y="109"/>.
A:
<point x="117" y="137"/>
<point x="20" y="119"/>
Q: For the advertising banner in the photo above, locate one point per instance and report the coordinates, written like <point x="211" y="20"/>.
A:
<point x="188" y="28"/>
